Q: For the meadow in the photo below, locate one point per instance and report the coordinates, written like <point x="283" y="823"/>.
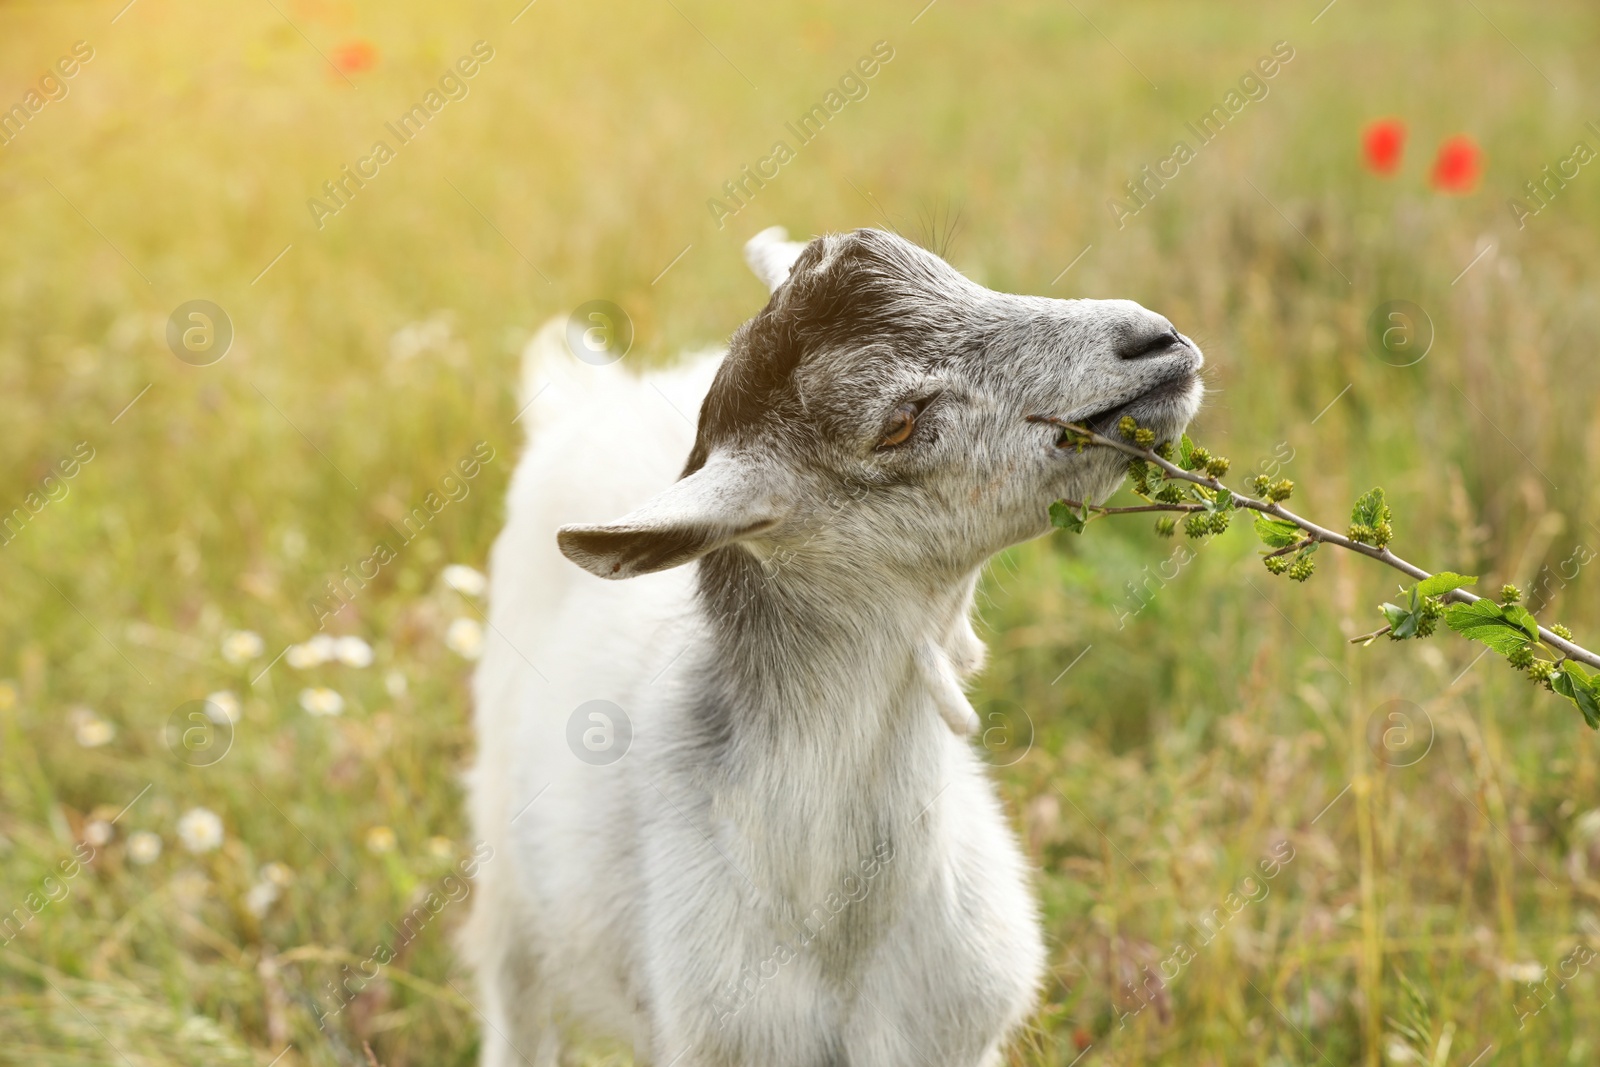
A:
<point x="1211" y="780"/>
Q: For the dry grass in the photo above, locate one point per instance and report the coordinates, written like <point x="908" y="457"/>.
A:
<point x="1224" y="719"/>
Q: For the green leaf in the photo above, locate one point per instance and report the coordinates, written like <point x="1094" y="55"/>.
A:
<point x="1402" y="621"/>
<point x="1276" y="533"/>
<point x="1371" y="508"/>
<point x="1519" y="616"/>
<point x="1185" y="450"/>
<point x="1589" y="703"/>
<point x="1222" y="502"/>
<point x="1063" y="517"/>
<point x="1444" y="582"/>
<point x="1571" y="683"/>
<point x="1485" y="621"/>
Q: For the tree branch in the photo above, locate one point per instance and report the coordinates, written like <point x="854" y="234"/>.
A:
<point x="1317" y="533"/>
<point x="1100" y="509"/>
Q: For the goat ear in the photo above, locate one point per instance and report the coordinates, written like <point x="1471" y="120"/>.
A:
<point x="771" y="255"/>
<point x="722" y="502"/>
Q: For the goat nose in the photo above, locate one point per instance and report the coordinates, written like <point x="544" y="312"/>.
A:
<point x="1141" y="345"/>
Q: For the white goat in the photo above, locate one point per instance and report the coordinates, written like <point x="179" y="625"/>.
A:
<point x="796" y="861"/>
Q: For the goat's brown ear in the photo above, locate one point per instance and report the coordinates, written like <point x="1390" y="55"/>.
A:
<point x="723" y="502"/>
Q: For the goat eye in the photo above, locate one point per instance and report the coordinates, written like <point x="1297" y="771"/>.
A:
<point x="901" y="422"/>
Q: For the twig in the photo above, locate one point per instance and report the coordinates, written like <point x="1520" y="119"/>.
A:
<point x="1317" y="533"/>
<point x="1287" y="549"/>
<point x="1100" y="509"/>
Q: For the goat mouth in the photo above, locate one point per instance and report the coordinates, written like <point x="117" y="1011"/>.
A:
<point x="1166" y="408"/>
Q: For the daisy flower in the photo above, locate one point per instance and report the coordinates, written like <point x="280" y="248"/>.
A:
<point x="465" y="638"/>
<point x="380" y="839"/>
<point x="301" y="657"/>
<point x="260" y="897"/>
<point x="320" y="649"/>
<point x="1530" y="971"/>
<point x="200" y="830"/>
<point x="279" y="874"/>
<point x="353" y="651"/>
<point x="223" y="706"/>
<point x="242" y="646"/>
<point x="90" y="729"/>
<point x="143" y="847"/>
<point x="321" y="701"/>
<point x="465" y="579"/>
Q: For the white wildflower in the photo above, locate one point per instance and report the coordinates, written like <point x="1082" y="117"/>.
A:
<point x="90" y="729"/>
<point x="143" y="846"/>
<point x="223" y="706"/>
<point x="279" y="874"/>
<point x="465" y="579"/>
<point x="200" y="830"/>
<point x="434" y="334"/>
<point x="321" y="701"/>
<point x="380" y="839"/>
<point x="242" y="646"/>
<point x="293" y="543"/>
<point x="97" y="832"/>
<point x="353" y="651"/>
<point x="300" y="657"/>
<point x="1529" y="971"/>
<point x="1397" y="1051"/>
<point x="465" y="638"/>
<point x="260" y="897"/>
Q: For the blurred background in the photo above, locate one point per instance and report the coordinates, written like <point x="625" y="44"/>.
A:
<point x="188" y="883"/>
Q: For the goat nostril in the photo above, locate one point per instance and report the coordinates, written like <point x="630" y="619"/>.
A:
<point x="1152" y="346"/>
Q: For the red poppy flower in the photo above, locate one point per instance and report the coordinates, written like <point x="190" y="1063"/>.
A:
<point x="1383" y="142"/>
<point x="353" y="57"/>
<point x="1456" y="168"/>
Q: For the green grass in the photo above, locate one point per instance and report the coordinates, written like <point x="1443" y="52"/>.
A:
<point x="1218" y="721"/>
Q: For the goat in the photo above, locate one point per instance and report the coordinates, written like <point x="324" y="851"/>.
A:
<point x="732" y="816"/>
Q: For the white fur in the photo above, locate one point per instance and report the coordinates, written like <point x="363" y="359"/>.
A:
<point x="833" y="883"/>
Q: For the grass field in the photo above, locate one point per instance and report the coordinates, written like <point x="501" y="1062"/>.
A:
<point x="1163" y="727"/>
